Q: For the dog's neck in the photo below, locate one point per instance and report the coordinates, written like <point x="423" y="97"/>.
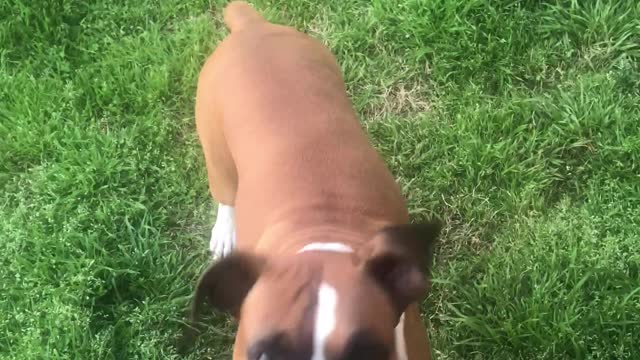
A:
<point x="300" y="222"/>
<point x="329" y="238"/>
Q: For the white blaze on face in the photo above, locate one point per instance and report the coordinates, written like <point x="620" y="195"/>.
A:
<point x="325" y="321"/>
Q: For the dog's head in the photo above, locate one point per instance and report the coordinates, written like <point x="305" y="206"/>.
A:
<point x="322" y="305"/>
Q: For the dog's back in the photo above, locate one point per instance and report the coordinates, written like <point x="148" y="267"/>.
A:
<point x="287" y="120"/>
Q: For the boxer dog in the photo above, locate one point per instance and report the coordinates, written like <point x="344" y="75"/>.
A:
<point x="314" y="252"/>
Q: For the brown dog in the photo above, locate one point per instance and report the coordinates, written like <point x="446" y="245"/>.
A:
<point x="325" y="266"/>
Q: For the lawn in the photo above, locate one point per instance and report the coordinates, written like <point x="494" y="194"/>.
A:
<point x="516" y="122"/>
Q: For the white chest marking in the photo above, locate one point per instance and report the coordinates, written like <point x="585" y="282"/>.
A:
<point x="325" y="320"/>
<point x="401" y="344"/>
<point x="328" y="246"/>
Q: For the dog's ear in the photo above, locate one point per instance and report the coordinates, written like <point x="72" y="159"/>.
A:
<point x="226" y="283"/>
<point x="400" y="260"/>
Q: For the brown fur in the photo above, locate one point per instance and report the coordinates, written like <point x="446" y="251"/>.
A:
<point x="283" y="145"/>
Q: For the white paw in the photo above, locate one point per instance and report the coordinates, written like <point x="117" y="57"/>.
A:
<point x="223" y="234"/>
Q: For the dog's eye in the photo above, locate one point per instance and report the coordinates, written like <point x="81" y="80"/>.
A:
<point x="273" y="347"/>
<point x="258" y="355"/>
<point x="262" y="356"/>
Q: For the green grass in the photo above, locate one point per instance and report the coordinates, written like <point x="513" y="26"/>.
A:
<point x="516" y="122"/>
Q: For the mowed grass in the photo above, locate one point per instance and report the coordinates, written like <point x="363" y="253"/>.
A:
<point x="516" y="122"/>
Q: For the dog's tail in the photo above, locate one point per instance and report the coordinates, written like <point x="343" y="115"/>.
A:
<point x="239" y="14"/>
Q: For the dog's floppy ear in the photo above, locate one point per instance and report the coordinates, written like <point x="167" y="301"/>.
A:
<point x="400" y="260"/>
<point x="226" y="283"/>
